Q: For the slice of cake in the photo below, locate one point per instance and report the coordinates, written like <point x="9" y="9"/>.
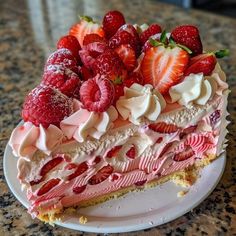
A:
<point x="120" y="108"/>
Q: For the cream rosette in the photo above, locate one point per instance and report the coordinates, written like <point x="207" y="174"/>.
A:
<point x="139" y="103"/>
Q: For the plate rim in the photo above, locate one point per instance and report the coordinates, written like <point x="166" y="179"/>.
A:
<point x="125" y="228"/>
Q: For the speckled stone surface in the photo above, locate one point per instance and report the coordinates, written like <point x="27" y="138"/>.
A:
<point x="28" y="33"/>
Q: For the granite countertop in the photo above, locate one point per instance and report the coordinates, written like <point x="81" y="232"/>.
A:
<point x="28" y="33"/>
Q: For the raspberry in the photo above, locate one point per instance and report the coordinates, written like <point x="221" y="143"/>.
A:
<point x="63" y="79"/>
<point x="63" y="57"/>
<point x="110" y="65"/>
<point x="92" y="38"/>
<point x="97" y="94"/>
<point x="151" y="30"/>
<point x="71" y="43"/>
<point x="85" y="73"/>
<point x="112" y="21"/>
<point x="45" y="105"/>
<point x="90" y="52"/>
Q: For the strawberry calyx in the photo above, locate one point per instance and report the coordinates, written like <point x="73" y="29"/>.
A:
<point x="87" y="18"/>
<point x="118" y="80"/>
<point x="171" y="44"/>
<point x="221" y="53"/>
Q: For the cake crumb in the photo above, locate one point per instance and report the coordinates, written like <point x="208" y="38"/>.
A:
<point x="181" y="193"/>
<point x="83" y="220"/>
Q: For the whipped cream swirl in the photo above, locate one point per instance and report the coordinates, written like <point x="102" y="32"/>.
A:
<point x="140" y="102"/>
<point x="84" y="123"/>
<point x="193" y="89"/>
<point x="26" y="139"/>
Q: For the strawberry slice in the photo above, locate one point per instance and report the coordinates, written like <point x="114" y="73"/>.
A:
<point x="182" y="156"/>
<point x="165" y="149"/>
<point x="113" y="152"/>
<point x="79" y="189"/>
<point x="50" y="165"/>
<point x="131" y="153"/>
<point x="164" y="67"/>
<point x="101" y="175"/>
<point x="188" y="130"/>
<point x="80" y="170"/>
<point x="127" y="55"/>
<point x="203" y="63"/>
<point x="140" y="183"/>
<point x="48" y="186"/>
<point x="84" y="27"/>
<point x="163" y="128"/>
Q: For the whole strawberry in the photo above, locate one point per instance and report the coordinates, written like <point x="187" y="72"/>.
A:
<point x="62" y="57"/>
<point x="110" y="65"/>
<point x="63" y="79"/>
<point x="150" y="31"/>
<point x="46" y="105"/>
<point x="127" y="34"/>
<point x="71" y="43"/>
<point x="188" y="35"/>
<point x="112" y="21"/>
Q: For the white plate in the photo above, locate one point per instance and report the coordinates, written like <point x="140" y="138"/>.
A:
<point x="135" y="211"/>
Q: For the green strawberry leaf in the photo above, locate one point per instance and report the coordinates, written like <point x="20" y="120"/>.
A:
<point x="163" y="36"/>
<point x="154" y="42"/>
<point x="222" y="53"/>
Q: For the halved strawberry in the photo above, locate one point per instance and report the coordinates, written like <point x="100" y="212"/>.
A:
<point x="164" y="67"/>
<point x="131" y="153"/>
<point x="113" y="152"/>
<point x="203" y="63"/>
<point x="48" y="186"/>
<point x="84" y="27"/>
<point x="92" y="38"/>
<point x="80" y="170"/>
<point x="162" y="127"/>
<point x="127" y="55"/>
<point x="182" y="156"/>
<point x="79" y="189"/>
<point x="165" y="149"/>
<point x="101" y="175"/>
<point x="50" y="165"/>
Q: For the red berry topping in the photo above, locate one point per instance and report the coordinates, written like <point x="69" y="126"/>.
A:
<point x="151" y="30"/>
<point x="127" y="55"/>
<point x="126" y="35"/>
<point x="113" y="152"/>
<point x="90" y="52"/>
<point x="84" y="27"/>
<point x="182" y="156"/>
<point x="101" y="175"/>
<point x="148" y="45"/>
<point x="63" y="57"/>
<point x="132" y="78"/>
<point x="81" y="168"/>
<point x="97" y="94"/>
<point x="50" y="165"/>
<point x="71" y="43"/>
<point x="188" y="35"/>
<point x="48" y="186"/>
<point x="112" y="21"/>
<point x="79" y="189"/>
<point x="131" y="153"/>
<point x="85" y="72"/>
<point x="110" y="65"/>
<point x="140" y="183"/>
<point x="203" y="63"/>
<point x="45" y="105"/>
<point x="163" y="127"/>
<point x="63" y="79"/>
<point x="164" y="67"/>
<point x="119" y="91"/>
<point x="92" y="38"/>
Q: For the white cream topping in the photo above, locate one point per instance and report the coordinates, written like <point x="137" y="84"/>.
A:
<point x="84" y="123"/>
<point x="140" y="102"/>
<point x="193" y="89"/>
